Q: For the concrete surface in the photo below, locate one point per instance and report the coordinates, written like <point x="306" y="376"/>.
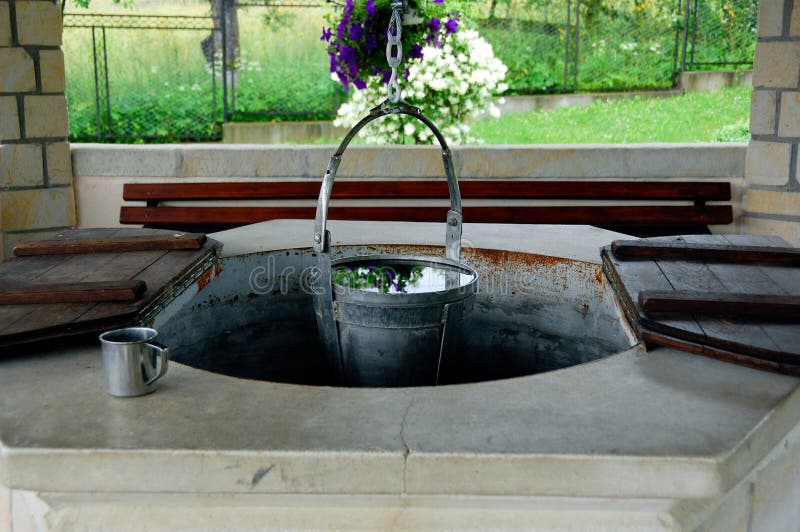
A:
<point x="279" y="132"/>
<point x="658" y="440"/>
<point x="714" y="80"/>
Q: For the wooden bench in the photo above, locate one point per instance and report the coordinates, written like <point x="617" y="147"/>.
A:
<point x="640" y="208"/>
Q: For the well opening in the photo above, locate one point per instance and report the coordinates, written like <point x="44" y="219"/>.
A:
<point x="532" y="313"/>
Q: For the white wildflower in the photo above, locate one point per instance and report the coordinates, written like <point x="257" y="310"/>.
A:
<point x="452" y="84"/>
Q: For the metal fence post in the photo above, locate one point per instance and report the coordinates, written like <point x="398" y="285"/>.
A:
<point x="101" y="87"/>
<point x="566" y="43"/>
<point x="676" y="45"/>
<point x="694" y="33"/>
<point x="224" y="66"/>
<point x="685" y="36"/>
<point x="577" y="44"/>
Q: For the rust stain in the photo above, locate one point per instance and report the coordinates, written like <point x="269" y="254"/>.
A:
<point x="598" y="274"/>
<point x="203" y="280"/>
<point x="217" y="268"/>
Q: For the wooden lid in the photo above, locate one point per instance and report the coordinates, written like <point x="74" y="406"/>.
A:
<point x="105" y="260"/>
<point x="731" y="297"/>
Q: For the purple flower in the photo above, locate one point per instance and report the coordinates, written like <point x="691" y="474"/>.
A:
<point x="356" y="32"/>
<point x="438" y="1"/>
<point x="434" y="25"/>
<point x="343" y="80"/>
<point x="333" y="61"/>
<point x="326" y="34"/>
<point x="415" y="52"/>
<point x="348" y="55"/>
<point x="359" y="83"/>
<point x="371" y="42"/>
<point x="372" y="8"/>
<point x="451" y="26"/>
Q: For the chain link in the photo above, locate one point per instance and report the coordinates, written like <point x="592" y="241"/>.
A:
<point x="394" y="50"/>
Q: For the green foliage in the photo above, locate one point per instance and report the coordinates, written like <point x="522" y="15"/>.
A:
<point x="739" y="132"/>
<point x="160" y="84"/>
<point x="694" y="117"/>
<point x="285" y="71"/>
<point x="383" y="279"/>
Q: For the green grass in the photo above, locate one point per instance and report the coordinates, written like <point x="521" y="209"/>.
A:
<point x="160" y="84"/>
<point x="161" y="89"/>
<point x="696" y="117"/>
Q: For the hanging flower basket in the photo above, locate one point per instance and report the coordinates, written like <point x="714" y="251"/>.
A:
<point x="357" y="36"/>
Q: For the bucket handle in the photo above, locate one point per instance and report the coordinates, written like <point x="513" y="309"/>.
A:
<point x="454" y="218"/>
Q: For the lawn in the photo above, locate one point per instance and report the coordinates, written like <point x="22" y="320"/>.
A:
<point x="695" y="117"/>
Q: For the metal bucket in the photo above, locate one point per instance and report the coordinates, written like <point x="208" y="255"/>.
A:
<point x="383" y="336"/>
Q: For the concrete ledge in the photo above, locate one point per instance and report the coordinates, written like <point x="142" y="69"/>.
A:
<point x="279" y="132"/>
<point x="591" y="161"/>
<point x="714" y="80"/>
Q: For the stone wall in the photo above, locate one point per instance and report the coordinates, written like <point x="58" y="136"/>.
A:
<point x="36" y="195"/>
<point x="772" y="188"/>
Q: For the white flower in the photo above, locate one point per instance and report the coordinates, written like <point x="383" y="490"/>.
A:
<point x="452" y="84"/>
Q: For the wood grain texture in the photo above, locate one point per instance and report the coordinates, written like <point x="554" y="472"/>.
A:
<point x="590" y="215"/>
<point x="487" y="189"/>
<point x="109" y="244"/>
<point x="783" y="368"/>
<point x="21" y="324"/>
<point x="635" y="276"/>
<point x="743" y="313"/>
<point x="712" y="252"/>
<point x="765" y="306"/>
<point x="83" y="292"/>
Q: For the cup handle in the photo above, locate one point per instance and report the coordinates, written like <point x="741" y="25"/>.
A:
<point x="162" y="360"/>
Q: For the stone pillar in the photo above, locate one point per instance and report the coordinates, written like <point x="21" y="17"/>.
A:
<point x="772" y="189"/>
<point x="36" y="195"/>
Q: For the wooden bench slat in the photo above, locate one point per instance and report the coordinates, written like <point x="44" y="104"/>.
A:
<point x="590" y="215"/>
<point x="486" y="189"/>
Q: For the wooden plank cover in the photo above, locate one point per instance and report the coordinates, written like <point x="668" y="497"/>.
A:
<point x="644" y="249"/>
<point x="748" y="294"/>
<point x="73" y="242"/>
<point x="82" y="292"/>
<point x="20" y="324"/>
<point x="485" y="189"/>
<point x="765" y="306"/>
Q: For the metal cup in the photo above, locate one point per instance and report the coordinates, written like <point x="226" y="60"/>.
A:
<point x="132" y="361"/>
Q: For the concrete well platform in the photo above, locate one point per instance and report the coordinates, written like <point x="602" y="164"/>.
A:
<point x="658" y="440"/>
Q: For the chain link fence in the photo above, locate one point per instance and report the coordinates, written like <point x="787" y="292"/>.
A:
<point x="134" y="78"/>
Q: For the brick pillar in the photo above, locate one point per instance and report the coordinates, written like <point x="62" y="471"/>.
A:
<point x="36" y="195"/>
<point x="771" y="201"/>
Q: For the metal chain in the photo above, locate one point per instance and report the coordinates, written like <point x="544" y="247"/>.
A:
<point x="394" y="50"/>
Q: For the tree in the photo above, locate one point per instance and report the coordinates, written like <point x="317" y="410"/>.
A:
<point x="223" y="12"/>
